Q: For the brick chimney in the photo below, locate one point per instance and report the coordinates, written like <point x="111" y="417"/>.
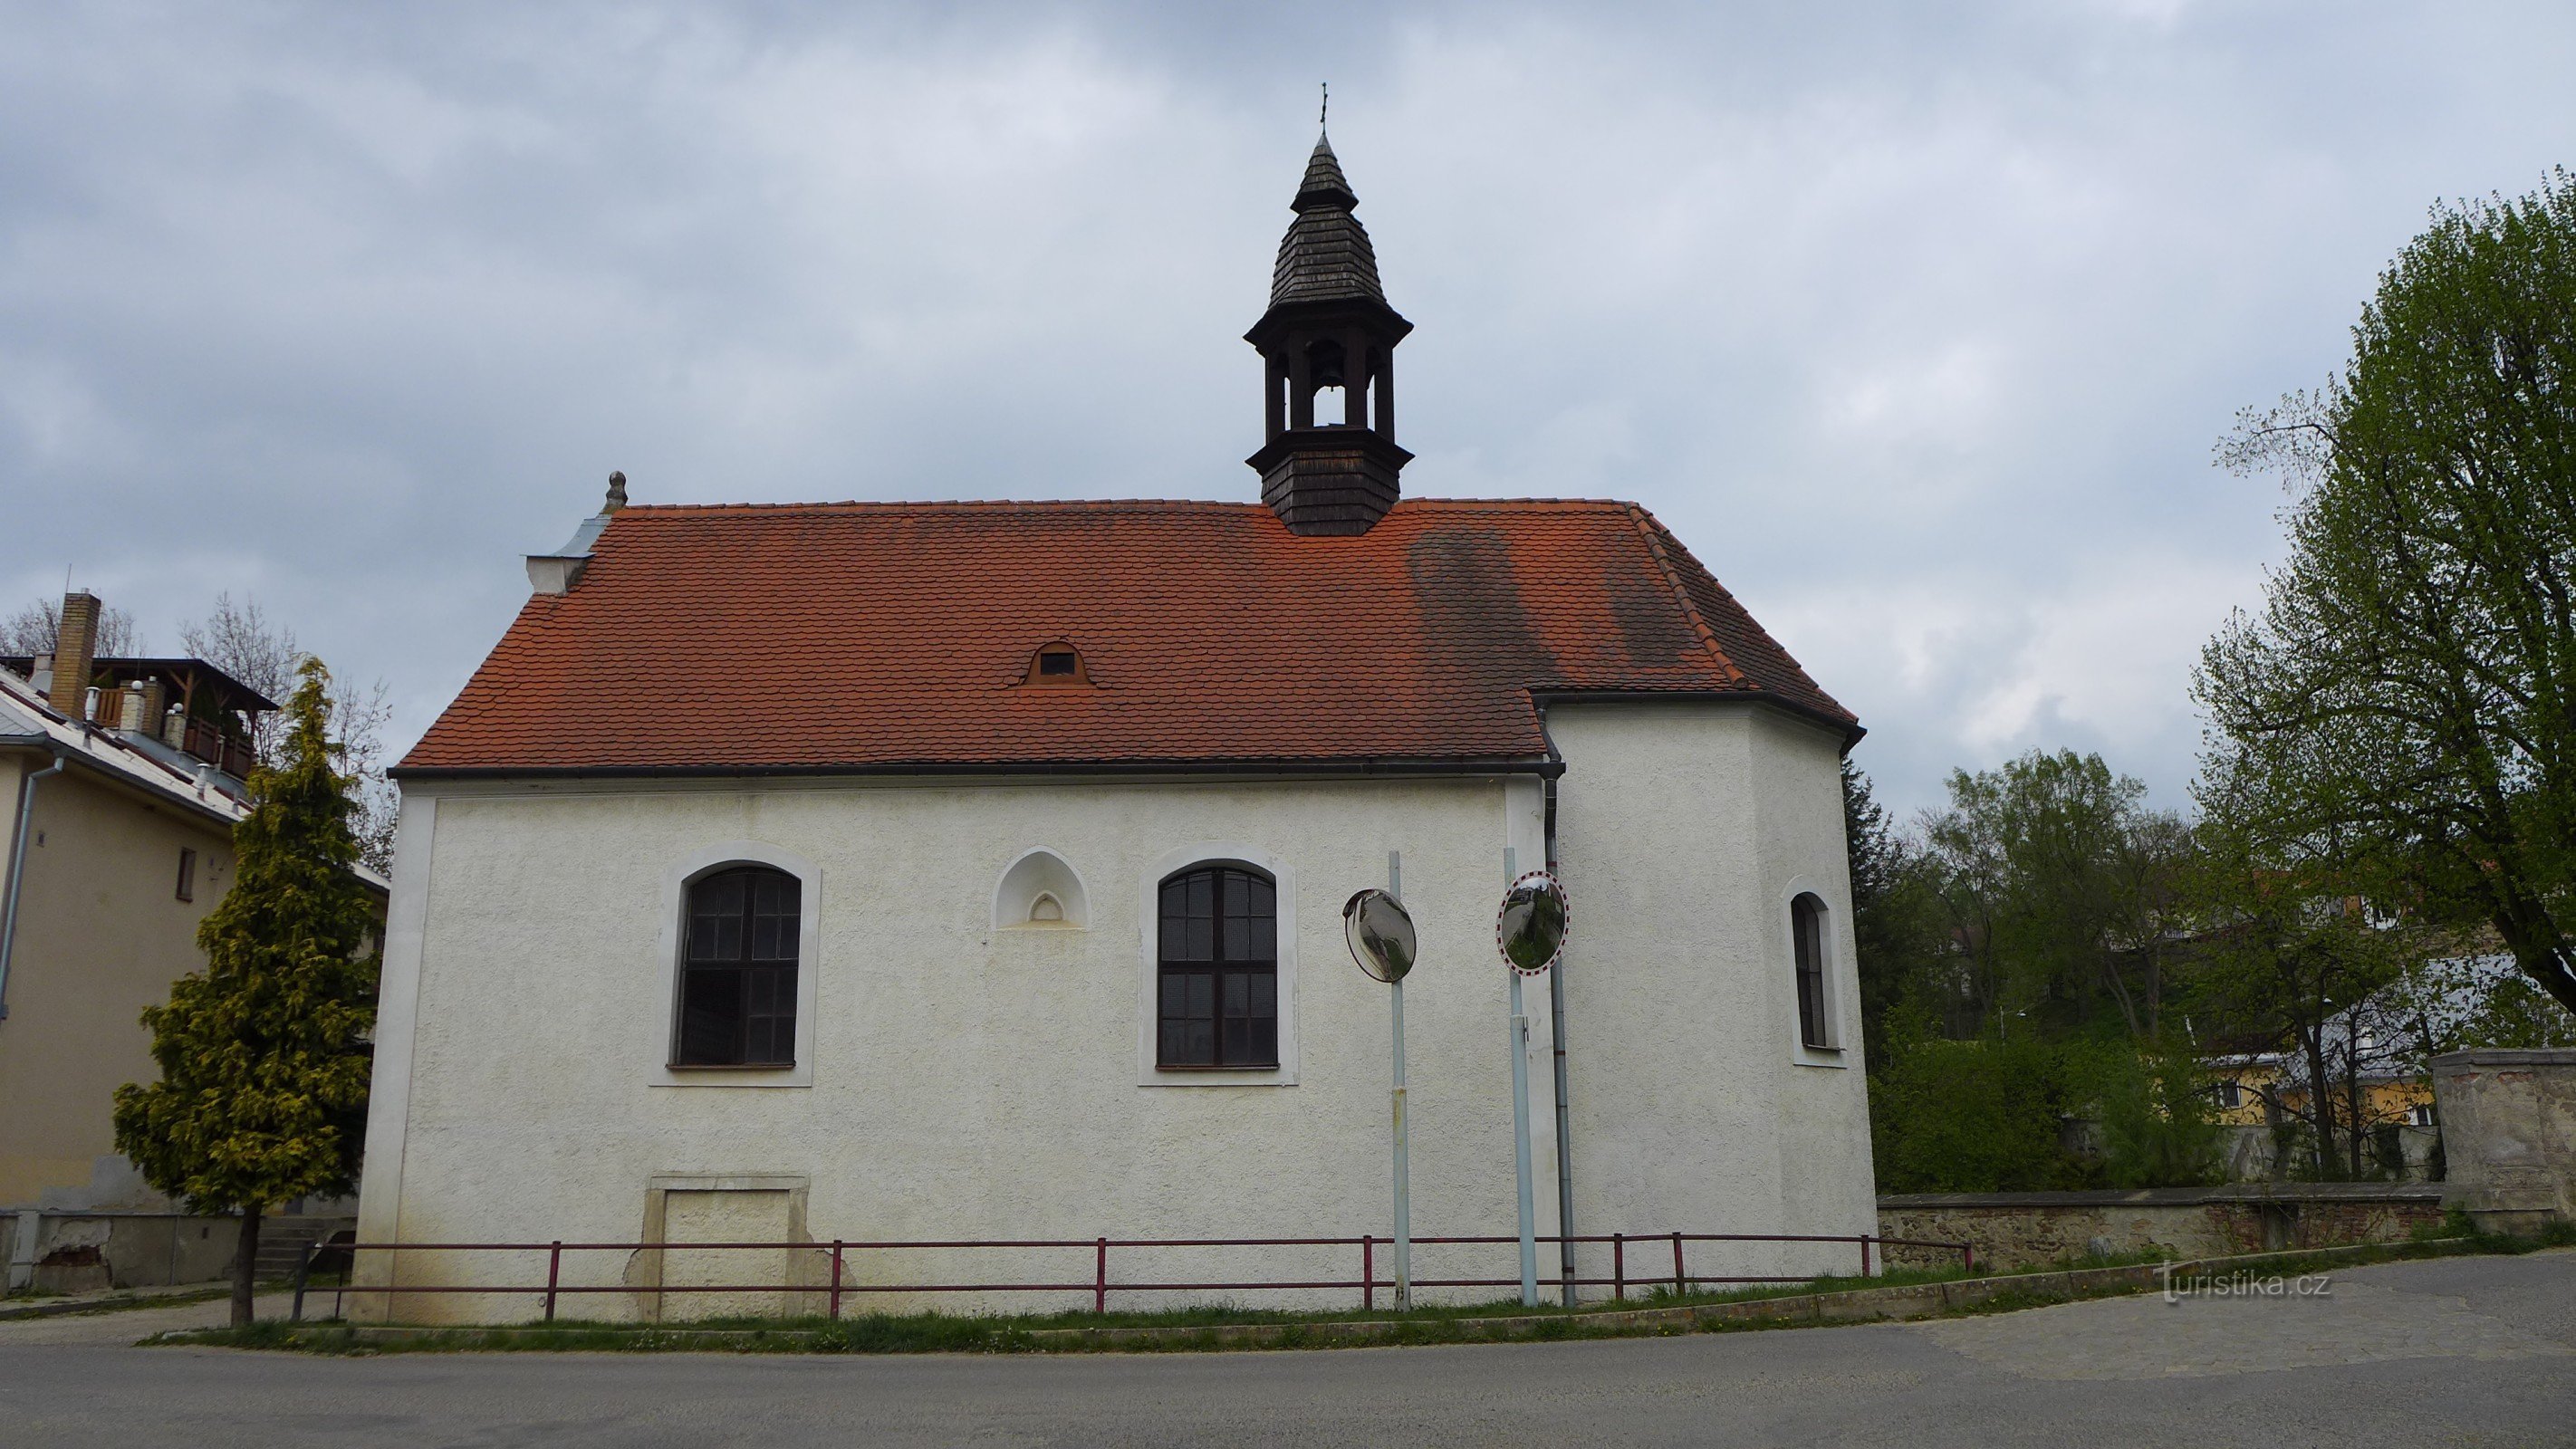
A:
<point x="75" y="651"/>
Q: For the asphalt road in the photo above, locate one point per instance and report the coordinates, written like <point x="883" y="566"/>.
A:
<point x="2460" y="1351"/>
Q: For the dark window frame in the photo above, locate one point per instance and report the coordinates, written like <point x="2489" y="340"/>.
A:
<point x="187" y="874"/>
<point x="741" y="966"/>
<point x="1807" y="949"/>
<point x="1216" y="969"/>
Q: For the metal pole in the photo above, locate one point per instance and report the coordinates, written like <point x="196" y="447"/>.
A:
<point x="1403" y="1130"/>
<point x="1677" y="1265"/>
<point x="1520" y="1120"/>
<point x="1619" y="1266"/>
<point x="303" y="1265"/>
<point x="554" y="1275"/>
<point x="836" y="1278"/>
<point x="1100" y="1280"/>
<point x="1368" y="1272"/>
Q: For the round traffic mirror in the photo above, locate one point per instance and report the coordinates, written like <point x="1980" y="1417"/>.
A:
<point x="1531" y="926"/>
<point x="1381" y="934"/>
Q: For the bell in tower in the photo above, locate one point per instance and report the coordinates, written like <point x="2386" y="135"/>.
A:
<point x="1328" y="346"/>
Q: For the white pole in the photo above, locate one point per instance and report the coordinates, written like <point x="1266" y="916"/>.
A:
<point x="1403" y="1170"/>
<point x="1520" y="1118"/>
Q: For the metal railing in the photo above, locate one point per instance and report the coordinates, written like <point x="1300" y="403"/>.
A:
<point x="838" y="1285"/>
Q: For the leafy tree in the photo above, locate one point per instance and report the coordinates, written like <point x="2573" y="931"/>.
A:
<point x="2294" y="958"/>
<point x="2058" y="884"/>
<point x="1896" y="921"/>
<point x="264" y="1054"/>
<point x="2409" y="687"/>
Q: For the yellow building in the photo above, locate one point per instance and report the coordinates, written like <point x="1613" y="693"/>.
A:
<point x="124" y="778"/>
<point x="2244" y="1081"/>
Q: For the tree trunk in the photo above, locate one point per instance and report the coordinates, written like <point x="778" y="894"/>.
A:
<point x="245" y="1264"/>
<point x="2320" y="1099"/>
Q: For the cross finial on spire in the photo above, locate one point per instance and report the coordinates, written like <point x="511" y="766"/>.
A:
<point x="1324" y="113"/>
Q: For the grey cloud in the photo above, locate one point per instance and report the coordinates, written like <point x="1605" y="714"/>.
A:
<point x="1916" y="322"/>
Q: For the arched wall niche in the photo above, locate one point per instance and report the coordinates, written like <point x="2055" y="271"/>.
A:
<point x="1041" y="892"/>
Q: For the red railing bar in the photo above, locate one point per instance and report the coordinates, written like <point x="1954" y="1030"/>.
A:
<point x="1099" y="1286"/>
<point x="774" y="1287"/>
<point x="1352" y="1242"/>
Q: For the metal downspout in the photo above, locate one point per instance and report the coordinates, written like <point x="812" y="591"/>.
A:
<point x="1556" y="1043"/>
<point x="18" y="872"/>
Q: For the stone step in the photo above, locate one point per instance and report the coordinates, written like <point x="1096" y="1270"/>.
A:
<point x="282" y="1240"/>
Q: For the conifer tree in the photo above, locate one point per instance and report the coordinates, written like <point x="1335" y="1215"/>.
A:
<point x="264" y="1054"/>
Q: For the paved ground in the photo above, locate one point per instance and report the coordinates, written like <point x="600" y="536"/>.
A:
<point x="2474" y="1351"/>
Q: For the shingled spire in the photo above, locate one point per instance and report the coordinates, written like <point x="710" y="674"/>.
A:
<point x="1328" y="328"/>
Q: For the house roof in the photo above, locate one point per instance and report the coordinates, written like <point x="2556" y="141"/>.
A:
<point x="28" y="721"/>
<point x="876" y="636"/>
<point x="178" y="672"/>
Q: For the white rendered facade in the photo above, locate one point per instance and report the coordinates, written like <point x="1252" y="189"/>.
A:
<point x="961" y="1073"/>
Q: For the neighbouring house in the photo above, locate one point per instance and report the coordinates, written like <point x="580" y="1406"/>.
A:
<point x="969" y="871"/>
<point x="126" y="778"/>
<point x="2262" y="1099"/>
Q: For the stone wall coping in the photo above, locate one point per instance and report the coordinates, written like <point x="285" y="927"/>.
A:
<point x="2234" y="1192"/>
<point x="2505" y="1057"/>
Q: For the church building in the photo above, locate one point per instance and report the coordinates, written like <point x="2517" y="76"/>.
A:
<point x="872" y="872"/>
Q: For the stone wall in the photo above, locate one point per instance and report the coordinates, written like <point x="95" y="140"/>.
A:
<point x="2025" y="1229"/>
<point x="86" y="1252"/>
<point x="2509" y="1131"/>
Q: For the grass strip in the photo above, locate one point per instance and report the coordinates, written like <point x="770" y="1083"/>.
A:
<point x="1895" y="1296"/>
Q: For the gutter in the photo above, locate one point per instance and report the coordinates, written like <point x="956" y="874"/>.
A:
<point x="18" y="858"/>
<point x="1546" y="766"/>
<point x="1842" y="724"/>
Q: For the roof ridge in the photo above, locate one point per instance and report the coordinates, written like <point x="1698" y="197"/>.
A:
<point x="963" y="505"/>
<point x="1651" y="529"/>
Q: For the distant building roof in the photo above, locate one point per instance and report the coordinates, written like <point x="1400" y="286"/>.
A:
<point x="228" y="692"/>
<point x="877" y="636"/>
<point x="28" y="722"/>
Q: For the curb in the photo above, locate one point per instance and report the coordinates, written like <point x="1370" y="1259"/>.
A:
<point x="1849" y="1306"/>
<point x="58" y="1308"/>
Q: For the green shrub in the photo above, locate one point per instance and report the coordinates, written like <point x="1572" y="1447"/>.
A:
<point x="2158" y="1129"/>
<point x="1972" y="1116"/>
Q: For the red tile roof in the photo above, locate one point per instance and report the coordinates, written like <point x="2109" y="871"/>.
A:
<point x="875" y="636"/>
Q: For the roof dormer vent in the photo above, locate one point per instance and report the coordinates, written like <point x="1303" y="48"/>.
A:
<point x="1057" y="665"/>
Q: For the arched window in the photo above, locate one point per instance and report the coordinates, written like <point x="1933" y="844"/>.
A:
<point x="738" y="975"/>
<point x="1807" y="930"/>
<point x="1218" y="963"/>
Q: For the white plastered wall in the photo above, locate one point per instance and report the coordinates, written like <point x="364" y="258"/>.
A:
<point x="964" y="1081"/>
<point x="968" y="1082"/>
<point x="1681" y="831"/>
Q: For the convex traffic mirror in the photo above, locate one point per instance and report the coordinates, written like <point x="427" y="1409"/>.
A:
<point x="1530" y="929"/>
<point x="1381" y="934"/>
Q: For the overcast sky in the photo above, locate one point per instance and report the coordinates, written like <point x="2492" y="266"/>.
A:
<point x="1917" y="323"/>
